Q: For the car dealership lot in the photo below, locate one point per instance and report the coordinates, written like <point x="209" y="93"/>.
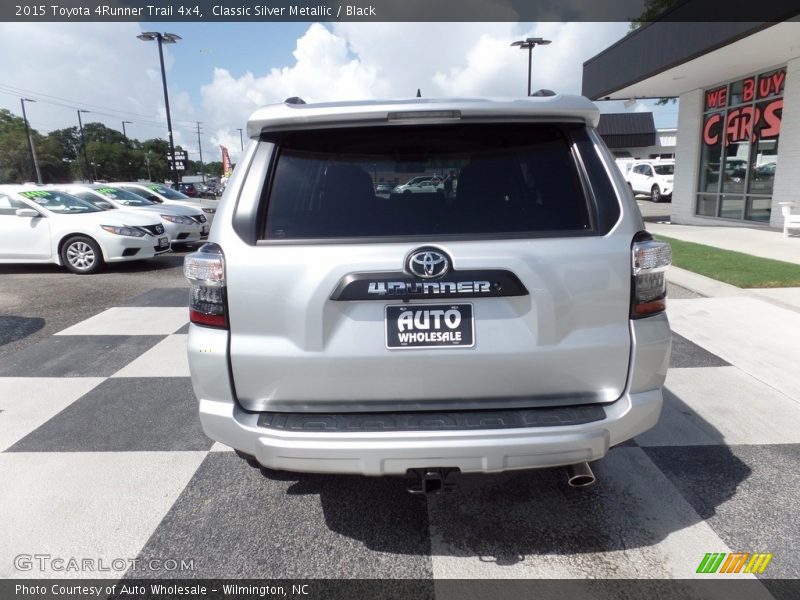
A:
<point x="89" y="471"/>
<point x="39" y="300"/>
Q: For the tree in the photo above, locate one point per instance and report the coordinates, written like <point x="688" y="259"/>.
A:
<point x="106" y="153"/>
<point x="68" y="142"/>
<point x="214" y="169"/>
<point x="61" y="158"/>
<point x="15" y="161"/>
<point x="54" y="167"/>
<point x="653" y="10"/>
<point x="97" y="132"/>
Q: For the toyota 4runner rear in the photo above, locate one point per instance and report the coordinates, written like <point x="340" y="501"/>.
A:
<point x="510" y="317"/>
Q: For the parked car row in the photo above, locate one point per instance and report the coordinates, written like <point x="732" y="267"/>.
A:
<point x="182" y="223"/>
<point x="82" y="227"/>
<point x="198" y="190"/>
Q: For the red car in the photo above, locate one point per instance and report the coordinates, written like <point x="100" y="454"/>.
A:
<point x="189" y="189"/>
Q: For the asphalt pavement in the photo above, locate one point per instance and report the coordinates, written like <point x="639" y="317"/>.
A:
<point x="38" y="300"/>
<point x="102" y="456"/>
<point x="654" y="211"/>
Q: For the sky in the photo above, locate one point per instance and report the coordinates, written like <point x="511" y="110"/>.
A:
<point x="219" y="73"/>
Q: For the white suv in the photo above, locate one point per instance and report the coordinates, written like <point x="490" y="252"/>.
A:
<point x="515" y="323"/>
<point x="653" y="178"/>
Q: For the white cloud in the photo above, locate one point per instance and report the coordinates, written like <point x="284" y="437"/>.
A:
<point x="105" y="65"/>
<point x="493" y="68"/>
<point x="323" y="70"/>
<point x="100" y="67"/>
<point x="380" y="60"/>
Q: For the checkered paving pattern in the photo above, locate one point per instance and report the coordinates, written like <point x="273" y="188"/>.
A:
<point x="101" y="456"/>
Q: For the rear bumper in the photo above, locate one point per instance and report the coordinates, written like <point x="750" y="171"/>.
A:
<point x="394" y="452"/>
<point x="382" y="453"/>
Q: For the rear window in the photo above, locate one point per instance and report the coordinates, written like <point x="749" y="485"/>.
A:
<point x="424" y="181"/>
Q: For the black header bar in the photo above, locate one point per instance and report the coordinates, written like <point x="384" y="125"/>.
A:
<point x="177" y="11"/>
<point x="733" y="588"/>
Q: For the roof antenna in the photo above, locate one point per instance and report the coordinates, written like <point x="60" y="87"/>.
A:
<point x="419" y="94"/>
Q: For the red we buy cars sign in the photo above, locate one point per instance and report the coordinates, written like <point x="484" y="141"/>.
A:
<point x="754" y="109"/>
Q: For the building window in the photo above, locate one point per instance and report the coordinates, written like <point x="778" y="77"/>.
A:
<point x="741" y="127"/>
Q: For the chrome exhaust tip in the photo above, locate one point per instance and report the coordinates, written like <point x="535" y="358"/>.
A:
<point x="580" y="475"/>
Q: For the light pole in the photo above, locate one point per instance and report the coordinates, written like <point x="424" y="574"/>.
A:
<point x="529" y="44"/>
<point x="83" y="145"/>
<point x="125" y="143"/>
<point x="164" y="38"/>
<point x="31" y="149"/>
<point x="241" y="143"/>
<point x="200" y="149"/>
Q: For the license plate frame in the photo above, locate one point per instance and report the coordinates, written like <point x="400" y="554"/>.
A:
<point x="163" y="242"/>
<point x="421" y="317"/>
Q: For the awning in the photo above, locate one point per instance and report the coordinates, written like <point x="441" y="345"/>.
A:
<point x="627" y="130"/>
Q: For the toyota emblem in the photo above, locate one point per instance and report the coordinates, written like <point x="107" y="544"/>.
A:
<point x="427" y="263"/>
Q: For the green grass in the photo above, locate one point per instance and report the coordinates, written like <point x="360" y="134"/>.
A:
<point x="741" y="270"/>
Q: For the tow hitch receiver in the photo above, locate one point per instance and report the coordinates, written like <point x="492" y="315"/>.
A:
<point x="432" y="481"/>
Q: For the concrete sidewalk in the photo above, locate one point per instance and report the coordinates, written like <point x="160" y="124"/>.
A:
<point x="752" y="334"/>
<point x="756" y="330"/>
<point x="765" y="243"/>
<point x="788" y="298"/>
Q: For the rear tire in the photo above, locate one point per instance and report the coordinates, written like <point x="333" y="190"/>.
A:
<point x="82" y="255"/>
<point x="655" y="194"/>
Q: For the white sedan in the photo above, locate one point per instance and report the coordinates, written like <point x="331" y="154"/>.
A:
<point x="182" y="223"/>
<point x="45" y="225"/>
<point x="162" y="194"/>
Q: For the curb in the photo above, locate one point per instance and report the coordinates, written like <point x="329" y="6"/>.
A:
<point x="711" y="288"/>
<point x="700" y="284"/>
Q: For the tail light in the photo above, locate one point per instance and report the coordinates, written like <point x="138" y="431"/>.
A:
<point x="649" y="262"/>
<point x="205" y="270"/>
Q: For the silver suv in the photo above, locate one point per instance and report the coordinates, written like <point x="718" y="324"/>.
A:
<point x="513" y="319"/>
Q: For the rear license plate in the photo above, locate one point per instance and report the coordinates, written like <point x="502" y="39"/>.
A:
<point x="163" y="242"/>
<point x="204" y="230"/>
<point x="429" y="326"/>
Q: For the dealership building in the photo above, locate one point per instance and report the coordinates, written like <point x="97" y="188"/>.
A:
<point x="737" y="150"/>
<point x="634" y="136"/>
